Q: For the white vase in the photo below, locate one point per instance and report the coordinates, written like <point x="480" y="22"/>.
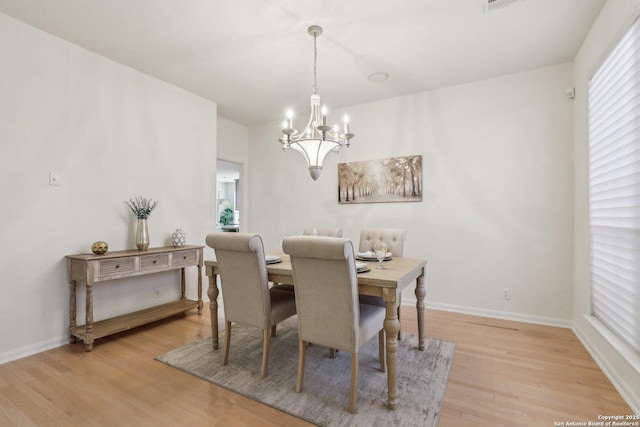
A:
<point x="178" y="238"/>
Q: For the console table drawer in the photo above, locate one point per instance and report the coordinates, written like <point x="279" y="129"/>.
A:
<point x="153" y="262"/>
<point x="111" y="267"/>
<point x="185" y="258"/>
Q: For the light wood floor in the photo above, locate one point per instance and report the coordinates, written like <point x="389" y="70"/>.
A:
<point x="504" y="374"/>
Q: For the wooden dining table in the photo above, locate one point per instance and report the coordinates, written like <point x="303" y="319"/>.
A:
<point x="398" y="273"/>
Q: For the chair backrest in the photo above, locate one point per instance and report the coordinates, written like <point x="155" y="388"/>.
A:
<point x="393" y="237"/>
<point x="324" y="275"/>
<point x="243" y="277"/>
<point x="328" y="232"/>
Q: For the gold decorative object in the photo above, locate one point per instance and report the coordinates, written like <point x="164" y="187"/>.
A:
<point x="99" y="248"/>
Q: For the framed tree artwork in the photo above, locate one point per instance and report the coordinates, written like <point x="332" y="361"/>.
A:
<point x="397" y="179"/>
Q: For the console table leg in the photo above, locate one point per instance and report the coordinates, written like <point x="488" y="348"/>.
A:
<point x="88" y="334"/>
<point x="72" y="311"/>
<point x="200" y="302"/>
<point x="183" y="281"/>
<point x="213" y="307"/>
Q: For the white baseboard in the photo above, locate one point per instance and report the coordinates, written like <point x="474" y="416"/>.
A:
<point x="31" y="349"/>
<point x="505" y="315"/>
<point x="628" y="392"/>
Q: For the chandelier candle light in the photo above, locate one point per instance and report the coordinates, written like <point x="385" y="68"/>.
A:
<point x="317" y="139"/>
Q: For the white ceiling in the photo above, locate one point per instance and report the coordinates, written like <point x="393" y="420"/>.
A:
<point x="255" y="58"/>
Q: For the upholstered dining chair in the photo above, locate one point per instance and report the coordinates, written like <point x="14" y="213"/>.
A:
<point x="245" y="289"/>
<point x="329" y="314"/>
<point x="394" y="238"/>
<point x="311" y="231"/>
<point x="329" y="232"/>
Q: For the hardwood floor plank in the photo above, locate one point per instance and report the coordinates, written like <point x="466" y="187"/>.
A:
<point x="504" y="373"/>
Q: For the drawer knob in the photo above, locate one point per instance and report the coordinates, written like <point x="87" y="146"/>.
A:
<point x="184" y="257"/>
<point x="154" y="261"/>
<point x="117" y="265"/>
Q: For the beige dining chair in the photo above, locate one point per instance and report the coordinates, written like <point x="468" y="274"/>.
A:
<point x="394" y="238"/>
<point x="329" y="314"/>
<point x="245" y="290"/>
<point x="311" y="231"/>
<point x="329" y="232"/>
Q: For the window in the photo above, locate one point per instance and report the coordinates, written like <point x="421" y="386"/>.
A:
<point x="614" y="189"/>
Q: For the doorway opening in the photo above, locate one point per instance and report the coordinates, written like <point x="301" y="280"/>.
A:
<point x="228" y="195"/>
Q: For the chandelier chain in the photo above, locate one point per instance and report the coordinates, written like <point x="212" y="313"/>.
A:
<point x="315" y="64"/>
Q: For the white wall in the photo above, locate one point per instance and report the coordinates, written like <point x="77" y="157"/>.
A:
<point x="497" y="202"/>
<point x="233" y="144"/>
<point x="615" y="18"/>
<point x="113" y="133"/>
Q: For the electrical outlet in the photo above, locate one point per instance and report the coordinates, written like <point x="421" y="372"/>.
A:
<point x="55" y="179"/>
<point x="156" y="293"/>
<point x="506" y="293"/>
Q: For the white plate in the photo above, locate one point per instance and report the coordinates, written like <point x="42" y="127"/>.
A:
<point x="272" y="259"/>
<point x="364" y="257"/>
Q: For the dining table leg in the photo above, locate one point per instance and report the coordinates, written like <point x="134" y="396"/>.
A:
<point x="421" y="292"/>
<point x="391" y="328"/>
<point x="212" y="293"/>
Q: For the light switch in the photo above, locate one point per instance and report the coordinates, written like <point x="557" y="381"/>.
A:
<point x="55" y="179"/>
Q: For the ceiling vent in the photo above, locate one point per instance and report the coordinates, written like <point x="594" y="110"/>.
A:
<point x="490" y="5"/>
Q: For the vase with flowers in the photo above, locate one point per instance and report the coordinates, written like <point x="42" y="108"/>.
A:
<point x="142" y="208"/>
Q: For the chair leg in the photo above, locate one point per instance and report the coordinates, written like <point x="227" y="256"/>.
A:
<point x="302" y="354"/>
<point x="273" y="331"/>
<point x="381" y="350"/>
<point x="354" y="382"/>
<point x="227" y="342"/>
<point x="332" y="353"/>
<point x="265" y="353"/>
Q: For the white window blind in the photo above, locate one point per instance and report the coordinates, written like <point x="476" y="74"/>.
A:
<point x="614" y="189"/>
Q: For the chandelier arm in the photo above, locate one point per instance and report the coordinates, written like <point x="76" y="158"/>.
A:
<point x="303" y="134"/>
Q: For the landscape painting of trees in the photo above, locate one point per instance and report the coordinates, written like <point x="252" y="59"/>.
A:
<point x="398" y="179"/>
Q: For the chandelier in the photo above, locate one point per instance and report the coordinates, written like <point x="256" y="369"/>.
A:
<point x="317" y="139"/>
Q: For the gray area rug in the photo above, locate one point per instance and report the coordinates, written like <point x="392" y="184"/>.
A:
<point x="422" y="377"/>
